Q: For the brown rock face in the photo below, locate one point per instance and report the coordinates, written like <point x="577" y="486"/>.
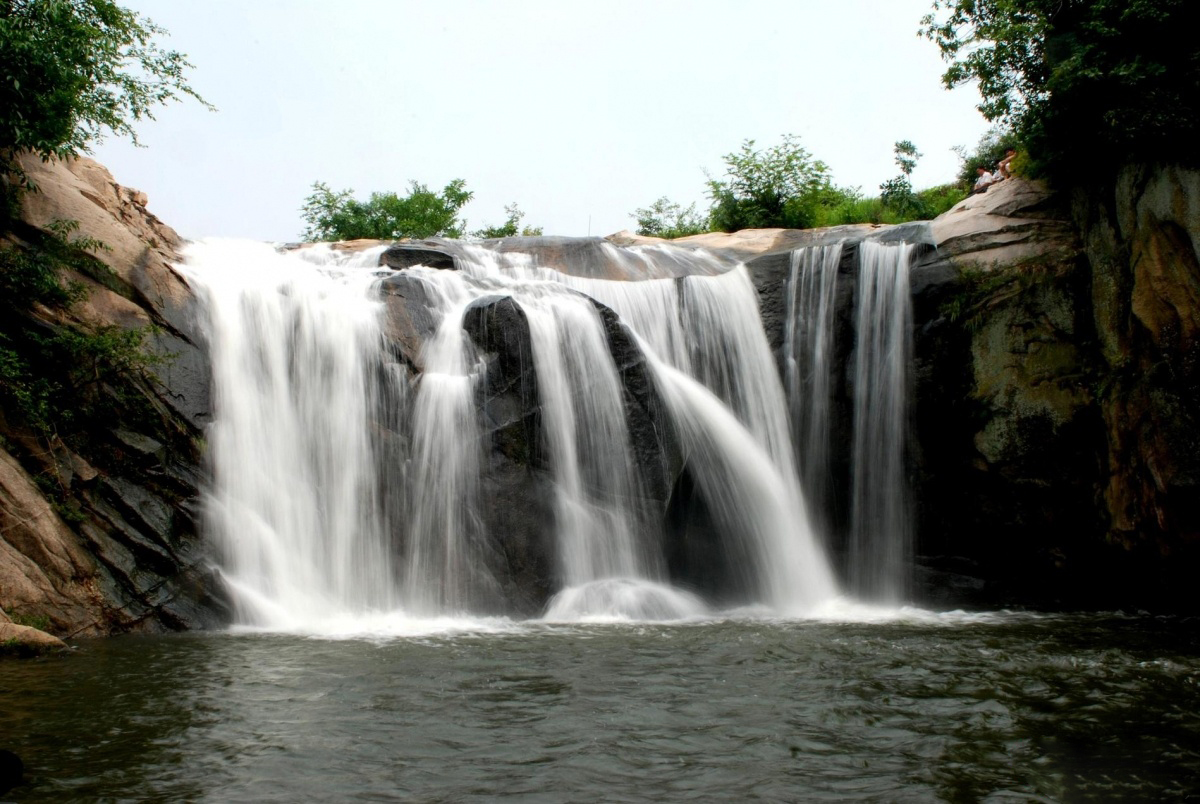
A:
<point x="1144" y="245"/>
<point x="1014" y="221"/>
<point x="23" y="639"/>
<point x="117" y="550"/>
<point x="45" y="571"/>
<point x="1058" y="393"/>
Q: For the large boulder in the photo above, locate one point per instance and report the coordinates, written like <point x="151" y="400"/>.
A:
<point x="516" y="482"/>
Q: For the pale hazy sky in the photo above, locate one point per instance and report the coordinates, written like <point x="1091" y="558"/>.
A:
<point x="580" y="112"/>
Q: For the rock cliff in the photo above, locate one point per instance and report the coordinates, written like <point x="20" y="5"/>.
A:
<point x="98" y="529"/>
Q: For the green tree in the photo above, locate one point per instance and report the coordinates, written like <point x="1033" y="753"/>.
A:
<point x="1085" y="85"/>
<point x="385" y="216"/>
<point x="897" y="193"/>
<point x="781" y="186"/>
<point x="664" y="218"/>
<point x="76" y="69"/>
<point x="510" y="228"/>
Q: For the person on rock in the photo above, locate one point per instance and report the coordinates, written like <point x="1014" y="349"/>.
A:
<point x="1004" y="169"/>
<point x="984" y="181"/>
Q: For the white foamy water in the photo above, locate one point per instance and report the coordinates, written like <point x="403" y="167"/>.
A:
<point x="294" y="505"/>
<point x="808" y="344"/>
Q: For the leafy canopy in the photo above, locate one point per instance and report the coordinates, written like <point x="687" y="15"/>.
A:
<point x="76" y="69"/>
<point x="1084" y="84"/>
<point x="781" y="186"/>
<point x="385" y="216"/>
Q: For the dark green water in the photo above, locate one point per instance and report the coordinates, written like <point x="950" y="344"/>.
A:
<point x="1058" y="708"/>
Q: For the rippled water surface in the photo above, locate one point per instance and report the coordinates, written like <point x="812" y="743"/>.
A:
<point x="1011" y="708"/>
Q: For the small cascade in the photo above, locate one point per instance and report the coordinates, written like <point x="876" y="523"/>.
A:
<point x="880" y="548"/>
<point x="445" y="570"/>
<point x="294" y="505"/>
<point x="599" y="535"/>
<point x="599" y="525"/>
<point x="713" y="367"/>
<point x="749" y="496"/>
<point x="811" y="293"/>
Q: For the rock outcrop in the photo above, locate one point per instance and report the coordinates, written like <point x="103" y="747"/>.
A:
<point x="1056" y="389"/>
<point x="98" y="531"/>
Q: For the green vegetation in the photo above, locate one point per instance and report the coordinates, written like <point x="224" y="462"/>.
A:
<point x="785" y="187"/>
<point x="898" y="193"/>
<point x="385" y="216"/>
<point x="57" y="379"/>
<point x="38" y="621"/>
<point x="781" y="186"/>
<point x="988" y="152"/>
<point x="669" y="220"/>
<point x="1084" y="86"/>
<point x="76" y="69"/>
<point x="510" y="228"/>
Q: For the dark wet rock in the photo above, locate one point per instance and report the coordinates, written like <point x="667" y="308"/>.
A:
<point x="655" y="445"/>
<point x="409" y="320"/>
<point x="1056" y="393"/>
<point x="429" y="253"/>
<point x="700" y="554"/>
<point x="515" y="482"/>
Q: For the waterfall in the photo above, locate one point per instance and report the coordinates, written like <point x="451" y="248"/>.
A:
<point x="304" y="500"/>
<point x="880" y="553"/>
<point x="294" y="506"/>
<point x="811" y="293"/>
<point x="445" y="571"/>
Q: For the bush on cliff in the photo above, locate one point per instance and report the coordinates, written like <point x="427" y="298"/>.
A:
<point x="669" y="220"/>
<point x="784" y="187"/>
<point x="510" y="228"/>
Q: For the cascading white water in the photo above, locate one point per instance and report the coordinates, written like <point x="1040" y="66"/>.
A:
<point x="749" y="496"/>
<point x="296" y="494"/>
<point x="293" y="505"/>
<point x="445" y="572"/>
<point x="713" y="366"/>
<point x="597" y="505"/>
<point x="808" y="341"/>
<point x="880" y="552"/>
